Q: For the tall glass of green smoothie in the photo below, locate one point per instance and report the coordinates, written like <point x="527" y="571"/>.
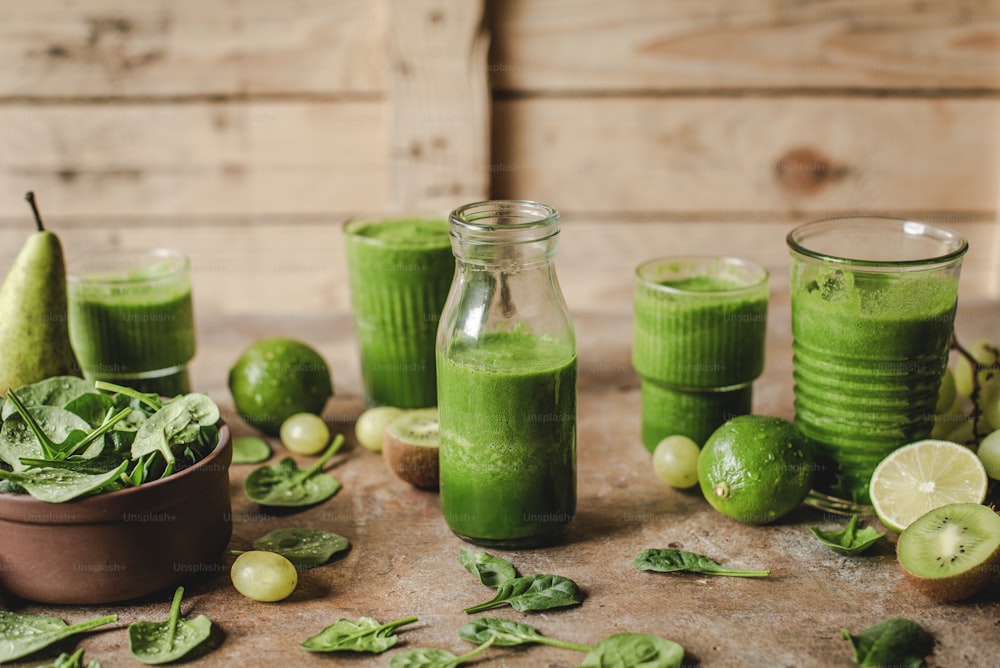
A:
<point x="697" y="343"/>
<point x="506" y="359"/>
<point x="873" y="308"/>
<point x="400" y="271"/>
<point x="131" y="318"/>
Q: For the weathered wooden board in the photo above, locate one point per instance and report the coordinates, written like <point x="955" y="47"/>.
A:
<point x="566" y="46"/>
<point x="191" y="48"/>
<point x="241" y="159"/>
<point x="764" y="155"/>
<point x="438" y="97"/>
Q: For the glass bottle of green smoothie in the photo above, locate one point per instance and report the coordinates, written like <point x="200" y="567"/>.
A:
<point x="506" y="365"/>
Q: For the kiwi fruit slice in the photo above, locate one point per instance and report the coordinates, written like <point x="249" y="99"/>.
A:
<point x="951" y="552"/>
<point x="410" y="447"/>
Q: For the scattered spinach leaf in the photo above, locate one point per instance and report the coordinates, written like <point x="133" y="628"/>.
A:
<point x="491" y="571"/>
<point x="22" y="635"/>
<point x="163" y="642"/>
<point x="850" y="540"/>
<point x="894" y="641"/>
<point x="670" y="560"/>
<point x="250" y="450"/>
<point x="283" y="484"/>
<point x="71" y="661"/>
<point x="58" y="485"/>
<point x="305" y="548"/>
<point x="508" y="633"/>
<point x="627" y="650"/>
<point x="534" y="592"/>
<point x="430" y="657"/>
<point x="363" y="635"/>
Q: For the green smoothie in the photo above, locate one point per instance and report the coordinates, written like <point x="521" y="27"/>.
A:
<point x="869" y="352"/>
<point x="697" y="343"/>
<point x="134" y="324"/>
<point x="508" y="439"/>
<point x="400" y="275"/>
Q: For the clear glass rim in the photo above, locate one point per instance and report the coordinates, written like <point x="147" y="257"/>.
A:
<point x="349" y="225"/>
<point x="955" y="244"/>
<point x="110" y="268"/>
<point x="504" y="221"/>
<point x="762" y="274"/>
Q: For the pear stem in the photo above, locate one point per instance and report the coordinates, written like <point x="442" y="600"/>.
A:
<point x="34" y="208"/>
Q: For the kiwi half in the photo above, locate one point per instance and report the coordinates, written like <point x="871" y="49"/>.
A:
<point x="951" y="552"/>
<point x="410" y="447"/>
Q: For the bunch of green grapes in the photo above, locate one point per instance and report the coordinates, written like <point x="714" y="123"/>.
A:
<point x="968" y="406"/>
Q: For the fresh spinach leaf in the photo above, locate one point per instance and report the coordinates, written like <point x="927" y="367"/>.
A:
<point x="508" y="633"/>
<point x="305" y="548"/>
<point x="92" y="407"/>
<point x="22" y="635"/>
<point x="40" y="434"/>
<point x="178" y="422"/>
<point x="250" y="450"/>
<point x="58" y="485"/>
<point x="163" y="642"/>
<point x="670" y="560"/>
<point x="491" y="571"/>
<point x="71" y="661"/>
<point x="894" y="641"/>
<point x="283" y="484"/>
<point x="54" y="391"/>
<point x="534" y="592"/>
<point x="850" y="540"/>
<point x="634" y="650"/>
<point x="430" y="657"/>
<point x="363" y="635"/>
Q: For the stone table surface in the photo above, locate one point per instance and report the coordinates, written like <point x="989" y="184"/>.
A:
<point x="404" y="561"/>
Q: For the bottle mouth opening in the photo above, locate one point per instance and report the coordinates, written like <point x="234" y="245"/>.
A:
<point x="504" y="222"/>
<point x="877" y="242"/>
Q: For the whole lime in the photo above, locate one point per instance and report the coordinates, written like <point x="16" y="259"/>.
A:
<point x="755" y="468"/>
<point x="276" y="378"/>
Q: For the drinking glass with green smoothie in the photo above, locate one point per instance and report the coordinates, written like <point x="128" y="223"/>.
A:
<point x="697" y="343"/>
<point x="131" y="318"/>
<point x="506" y="359"/>
<point x="873" y="308"/>
<point x="400" y="271"/>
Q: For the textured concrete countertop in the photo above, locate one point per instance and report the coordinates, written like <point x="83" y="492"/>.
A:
<point x="404" y="561"/>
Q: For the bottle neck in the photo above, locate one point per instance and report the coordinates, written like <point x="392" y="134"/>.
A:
<point x="504" y="235"/>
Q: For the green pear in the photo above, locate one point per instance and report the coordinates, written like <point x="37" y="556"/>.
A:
<point x="34" y="327"/>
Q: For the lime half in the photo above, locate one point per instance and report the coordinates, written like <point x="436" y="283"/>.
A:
<point x="922" y="476"/>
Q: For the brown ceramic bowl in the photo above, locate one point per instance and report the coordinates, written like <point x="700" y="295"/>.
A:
<point x="119" y="545"/>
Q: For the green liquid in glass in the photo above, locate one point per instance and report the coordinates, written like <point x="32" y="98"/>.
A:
<point x="869" y="353"/>
<point x="400" y="275"/>
<point x="508" y="440"/>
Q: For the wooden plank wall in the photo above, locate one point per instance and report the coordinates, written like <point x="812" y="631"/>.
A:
<point x="244" y="132"/>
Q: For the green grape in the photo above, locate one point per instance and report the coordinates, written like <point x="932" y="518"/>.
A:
<point x="305" y="434"/>
<point x="264" y="576"/>
<point x="989" y="401"/>
<point x="949" y="420"/>
<point x="963" y="434"/>
<point x="371" y="424"/>
<point x="983" y="352"/>
<point x="946" y="392"/>
<point x="675" y="461"/>
<point x="989" y="454"/>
